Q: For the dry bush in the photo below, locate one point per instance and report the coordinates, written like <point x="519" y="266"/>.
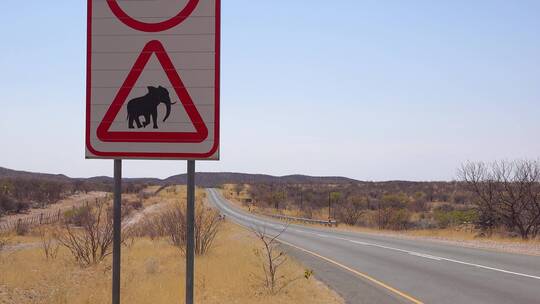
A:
<point x="49" y="245"/>
<point x="272" y="259"/>
<point x="238" y="188"/>
<point x="22" y="228"/>
<point x="152" y="272"/>
<point x="150" y="227"/>
<point x="92" y="241"/>
<point x="350" y="212"/>
<point x="4" y="241"/>
<point x="172" y="224"/>
<point x="207" y="225"/>
<point x="507" y="194"/>
<point x="393" y="218"/>
<point x="77" y="215"/>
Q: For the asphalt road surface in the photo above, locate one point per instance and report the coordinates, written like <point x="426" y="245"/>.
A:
<point x="377" y="269"/>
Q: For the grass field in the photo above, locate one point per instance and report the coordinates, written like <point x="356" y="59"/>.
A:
<point x="153" y="272"/>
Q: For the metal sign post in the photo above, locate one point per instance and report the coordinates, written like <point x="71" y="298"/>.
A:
<point x="190" y="237"/>
<point x="117" y="230"/>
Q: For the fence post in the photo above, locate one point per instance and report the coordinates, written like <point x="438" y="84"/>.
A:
<point x="41" y="218"/>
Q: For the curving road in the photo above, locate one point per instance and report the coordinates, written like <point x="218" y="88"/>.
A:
<point x="377" y="269"/>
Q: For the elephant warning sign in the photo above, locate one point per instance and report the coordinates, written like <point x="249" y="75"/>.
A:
<point x="153" y="79"/>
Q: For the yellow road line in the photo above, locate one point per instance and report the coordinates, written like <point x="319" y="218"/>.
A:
<point x="363" y="275"/>
<point x="358" y="273"/>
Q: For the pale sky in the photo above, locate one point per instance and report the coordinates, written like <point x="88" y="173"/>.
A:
<point x="373" y="90"/>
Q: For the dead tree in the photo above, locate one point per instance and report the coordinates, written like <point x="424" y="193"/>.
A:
<point x="272" y="259"/>
<point x="508" y="194"/>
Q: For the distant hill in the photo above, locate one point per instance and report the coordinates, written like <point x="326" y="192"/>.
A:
<point x="9" y="173"/>
<point x="107" y="179"/>
<point x="202" y="179"/>
<point x="215" y="179"/>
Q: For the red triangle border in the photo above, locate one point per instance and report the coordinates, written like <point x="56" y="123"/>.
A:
<point x="201" y="130"/>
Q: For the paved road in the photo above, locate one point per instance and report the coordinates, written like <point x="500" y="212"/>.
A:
<point x="378" y="269"/>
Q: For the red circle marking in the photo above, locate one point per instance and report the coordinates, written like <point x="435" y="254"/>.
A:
<point x="152" y="27"/>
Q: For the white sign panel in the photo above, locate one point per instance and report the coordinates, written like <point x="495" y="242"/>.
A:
<point x="153" y="79"/>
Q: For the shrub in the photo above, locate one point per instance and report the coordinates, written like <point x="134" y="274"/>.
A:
<point x="48" y="243"/>
<point x="453" y="218"/>
<point x="507" y="194"/>
<point x="207" y="224"/>
<point x="21" y="228"/>
<point x="238" y="188"/>
<point x="394" y="219"/>
<point x="4" y="241"/>
<point x="399" y="200"/>
<point x="352" y="210"/>
<point x="149" y="227"/>
<point x="272" y="259"/>
<point x="7" y="204"/>
<point x="77" y="215"/>
<point x="418" y="203"/>
<point x="92" y="242"/>
<point x="22" y="206"/>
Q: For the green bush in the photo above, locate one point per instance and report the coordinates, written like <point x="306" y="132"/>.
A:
<point x="393" y="219"/>
<point x="77" y="216"/>
<point x="399" y="200"/>
<point x="453" y="218"/>
<point x="7" y="204"/>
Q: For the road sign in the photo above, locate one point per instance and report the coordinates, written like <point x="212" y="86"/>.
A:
<point x="153" y="79"/>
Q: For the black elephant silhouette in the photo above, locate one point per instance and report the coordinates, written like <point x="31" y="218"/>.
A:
<point x="147" y="106"/>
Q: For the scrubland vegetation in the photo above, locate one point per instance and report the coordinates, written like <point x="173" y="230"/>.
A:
<point x="500" y="198"/>
<point x="18" y="195"/>
<point x="70" y="262"/>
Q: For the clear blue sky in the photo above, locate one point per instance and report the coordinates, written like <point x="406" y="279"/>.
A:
<point x="373" y="90"/>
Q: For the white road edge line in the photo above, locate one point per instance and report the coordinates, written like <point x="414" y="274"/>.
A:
<point x="447" y="260"/>
<point x="427" y="256"/>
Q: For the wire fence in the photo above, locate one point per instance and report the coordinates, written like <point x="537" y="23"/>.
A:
<point x="44" y="218"/>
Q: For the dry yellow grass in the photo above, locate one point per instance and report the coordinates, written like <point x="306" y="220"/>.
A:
<point x="171" y="194"/>
<point x="153" y="272"/>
